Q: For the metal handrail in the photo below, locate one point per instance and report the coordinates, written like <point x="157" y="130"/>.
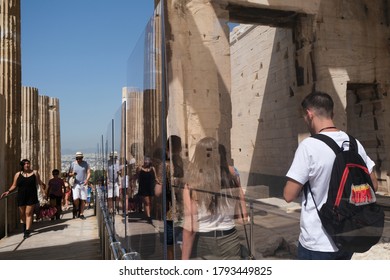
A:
<point x="5" y="198"/>
<point x="109" y="240"/>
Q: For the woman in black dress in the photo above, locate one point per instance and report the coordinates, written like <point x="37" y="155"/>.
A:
<point x="147" y="180"/>
<point x="26" y="181"/>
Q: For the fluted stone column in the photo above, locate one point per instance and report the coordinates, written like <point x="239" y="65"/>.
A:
<point x="134" y="123"/>
<point x="2" y="142"/>
<point x="3" y="187"/>
<point x="152" y="85"/>
<point x="44" y="131"/>
<point x="10" y="91"/>
<point x="55" y="136"/>
<point x="10" y="84"/>
<point x="29" y="125"/>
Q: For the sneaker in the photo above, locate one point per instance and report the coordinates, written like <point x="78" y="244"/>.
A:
<point x="82" y="217"/>
<point x="149" y="221"/>
<point x="26" y="234"/>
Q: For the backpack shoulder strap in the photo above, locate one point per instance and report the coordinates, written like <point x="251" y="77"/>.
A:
<point x="352" y="143"/>
<point x="329" y="141"/>
<point x="336" y="149"/>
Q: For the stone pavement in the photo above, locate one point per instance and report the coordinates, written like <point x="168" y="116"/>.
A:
<point x="275" y="234"/>
<point x="65" y="239"/>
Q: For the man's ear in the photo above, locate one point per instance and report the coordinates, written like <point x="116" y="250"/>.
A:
<point x="310" y="114"/>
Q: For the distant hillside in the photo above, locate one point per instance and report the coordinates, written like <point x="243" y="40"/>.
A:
<point x="73" y="151"/>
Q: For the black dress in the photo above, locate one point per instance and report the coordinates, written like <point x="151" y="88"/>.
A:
<point x="146" y="181"/>
<point x="27" y="190"/>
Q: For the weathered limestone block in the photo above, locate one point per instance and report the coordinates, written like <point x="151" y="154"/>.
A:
<point x="198" y="62"/>
<point x="263" y="114"/>
<point x="301" y="6"/>
<point x="340" y="49"/>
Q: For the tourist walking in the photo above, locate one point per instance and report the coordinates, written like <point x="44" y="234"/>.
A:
<point x="67" y="195"/>
<point x="147" y="180"/>
<point x="313" y="162"/>
<point x="113" y="183"/>
<point x="210" y="202"/>
<point x="26" y="182"/>
<point x="55" y="192"/>
<point x="82" y="172"/>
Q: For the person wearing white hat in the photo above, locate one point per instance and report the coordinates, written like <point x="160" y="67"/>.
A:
<point x="82" y="172"/>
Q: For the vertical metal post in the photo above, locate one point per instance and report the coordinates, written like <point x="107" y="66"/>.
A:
<point x="113" y="177"/>
<point x="6" y="216"/>
<point x="164" y="94"/>
<point x="251" y="227"/>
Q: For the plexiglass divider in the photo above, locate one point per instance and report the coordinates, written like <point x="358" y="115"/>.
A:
<point x="170" y="192"/>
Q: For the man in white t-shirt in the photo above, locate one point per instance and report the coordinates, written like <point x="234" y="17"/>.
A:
<point x="313" y="162"/>
<point x="82" y="172"/>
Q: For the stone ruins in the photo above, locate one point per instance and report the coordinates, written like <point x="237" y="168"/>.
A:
<point x="29" y="122"/>
<point x="242" y="87"/>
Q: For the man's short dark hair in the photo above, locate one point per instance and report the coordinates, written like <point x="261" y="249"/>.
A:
<point x="55" y="172"/>
<point x="321" y="102"/>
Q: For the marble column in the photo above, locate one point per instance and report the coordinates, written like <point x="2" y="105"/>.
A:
<point x="55" y="133"/>
<point x="29" y="125"/>
<point x="10" y="84"/>
<point x="134" y="123"/>
<point x="152" y="85"/>
<point x="44" y="131"/>
<point x="10" y="92"/>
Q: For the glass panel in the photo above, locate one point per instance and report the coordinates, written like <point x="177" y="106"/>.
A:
<point x="194" y="162"/>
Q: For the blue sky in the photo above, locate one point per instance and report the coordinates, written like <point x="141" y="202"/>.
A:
<point x="77" y="51"/>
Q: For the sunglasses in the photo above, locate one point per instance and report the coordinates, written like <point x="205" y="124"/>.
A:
<point x="79" y="158"/>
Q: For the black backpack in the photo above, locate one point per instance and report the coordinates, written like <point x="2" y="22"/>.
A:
<point x="350" y="215"/>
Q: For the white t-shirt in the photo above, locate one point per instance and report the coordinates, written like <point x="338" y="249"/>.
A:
<point x="313" y="162"/>
<point x="112" y="172"/>
<point x="222" y="220"/>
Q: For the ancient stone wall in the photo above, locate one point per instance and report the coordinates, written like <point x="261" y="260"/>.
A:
<point x="198" y="65"/>
<point x="340" y="47"/>
<point x="342" y="50"/>
<point x="263" y="112"/>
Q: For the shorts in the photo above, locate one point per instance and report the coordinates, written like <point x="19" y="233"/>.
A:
<point x="109" y="190"/>
<point x="80" y="192"/>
